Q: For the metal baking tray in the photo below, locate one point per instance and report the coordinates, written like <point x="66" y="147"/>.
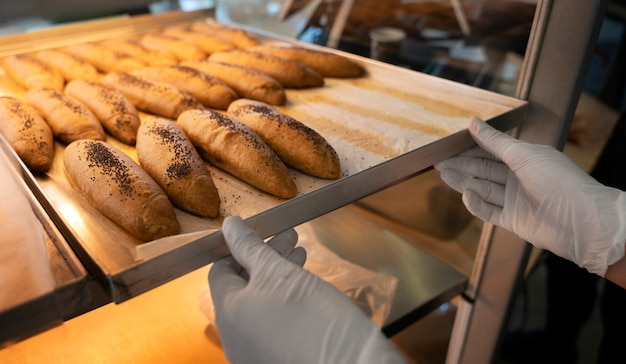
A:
<point x="387" y="126"/>
<point x="75" y="291"/>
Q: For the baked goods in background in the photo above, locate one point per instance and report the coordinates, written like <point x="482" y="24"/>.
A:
<point x="132" y="48"/>
<point x="29" y="72"/>
<point x="156" y="98"/>
<point x="177" y="48"/>
<point x="68" y="118"/>
<point x="246" y="82"/>
<point x="295" y="143"/>
<point x="239" y="37"/>
<point x="209" y="43"/>
<point x="169" y="157"/>
<point x="233" y="147"/>
<point x="325" y="63"/>
<point x="120" y="189"/>
<point x="104" y="58"/>
<point x="70" y="66"/>
<point x="27" y="132"/>
<point x="289" y="73"/>
<point x="209" y="90"/>
<point x="116" y="113"/>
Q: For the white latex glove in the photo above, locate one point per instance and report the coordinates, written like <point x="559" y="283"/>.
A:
<point x="282" y="313"/>
<point x="540" y="195"/>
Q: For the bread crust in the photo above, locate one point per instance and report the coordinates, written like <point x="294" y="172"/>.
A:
<point x="116" y="113"/>
<point x="246" y="82"/>
<point x="27" y="133"/>
<point x="235" y="148"/>
<point x="180" y="49"/>
<point x="325" y="63"/>
<point x="209" y="90"/>
<point x="295" y="143"/>
<point x="68" y="118"/>
<point x="120" y="189"/>
<point x="289" y="73"/>
<point x="70" y="66"/>
<point x="169" y="157"/>
<point x="157" y="98"/>
<point x="31" y="73"/>
<point x="103" y="58"/>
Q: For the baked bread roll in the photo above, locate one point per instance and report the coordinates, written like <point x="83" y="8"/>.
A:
<point x="325" y="63"/>
<point x="116" y="113"/>
<point x="295" y="143"/>
<point x="235" y="148"/>
<point x="70" y="66"/>
<point x="169" y="157"/>
<point x="209" y="43"/>
<point x="209" y="90"/>
<point x="28" y="71"/>
<point x="133" y="48"/>
<point x="175" y="47"/>
<point x="157" y="98"/>
<point x="246" y="82"/>
<point x="104" y="58"/>
<point x="27" y="133"/>
<point x="120" y="189"/>
<point x="290" y="74"/>
<point x="69" y="119"/>
<point x="239" y="37"/>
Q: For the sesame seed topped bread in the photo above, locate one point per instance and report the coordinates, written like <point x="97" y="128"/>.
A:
<point x="68" y="118"/>
<point x="31" y="73"/>
<point x="116" y="113"/>
<point x="236" y="149"/>
<point x="27" y="133"/>
<point x="165" y="152"/>
<point x="120" y="189"/>
<point x="295" y="143"/>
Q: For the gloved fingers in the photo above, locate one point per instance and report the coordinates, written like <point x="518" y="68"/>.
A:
<point x="245" y="245"/>
<point x="297" y="256"/>
<point x="284" y="242"/>
<point x="480" y="208"/>
<point x="487" y="169"/>
<point x="224" y="277"/>
<point x="490" y="139"/>
<point x="488" y="191"/>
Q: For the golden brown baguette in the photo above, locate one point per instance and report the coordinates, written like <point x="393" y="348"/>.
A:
<point x="68" y="118"/>
<point x="325" y="63"/>
<point x="290" y="74"/>
<point x="235" y="148"/>
<point x="169" y="157"/>
<point x="239" y="37"/>
<point x="180" y="49"/>
<point x="27" y="133"/>
<point x="103" y="58"/>
<point x="120" y="189"/>
<point x="116" y="113"/>
<point x="157" y="98"/>
<point x="295" y="143"/>
<point x="132" y="48"/>
<point x="246" y="82"/>
<point x="28" y="71"/>
<point x="209" y="43"/>
<point x="209" y="90"/>
<point x="70" y="66"/>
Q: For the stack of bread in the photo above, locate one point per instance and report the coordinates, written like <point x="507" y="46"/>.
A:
<point x="182" y="96"/>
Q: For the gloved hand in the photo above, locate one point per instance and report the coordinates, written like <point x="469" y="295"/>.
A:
<point x="540" y="195"/>
<point x="282" y="313"/>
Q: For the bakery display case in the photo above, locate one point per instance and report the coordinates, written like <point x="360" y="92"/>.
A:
<point x="387" y="127"/>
